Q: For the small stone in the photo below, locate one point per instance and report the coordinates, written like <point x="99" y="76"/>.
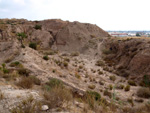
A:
<point x="45" y="107"/>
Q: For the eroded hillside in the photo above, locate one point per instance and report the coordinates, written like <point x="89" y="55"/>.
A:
<point x="61" y="66"/>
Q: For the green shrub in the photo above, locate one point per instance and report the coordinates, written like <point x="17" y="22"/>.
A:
<point x="46" y="57"/>
<point x="5" y="71"/>
<point x="143" y="92"/>
<point x="127" y="88"/>
<point x="38" y="27"/>
<point x="132" y="83"/>
<point x="33" y="45"/>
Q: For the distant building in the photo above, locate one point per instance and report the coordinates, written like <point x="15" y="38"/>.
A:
<point x="119" y="34"/>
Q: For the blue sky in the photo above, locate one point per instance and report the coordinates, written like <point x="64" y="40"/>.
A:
<point x="108" y="14"/>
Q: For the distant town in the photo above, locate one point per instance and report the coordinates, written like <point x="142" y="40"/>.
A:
<point x="129" y="33"/>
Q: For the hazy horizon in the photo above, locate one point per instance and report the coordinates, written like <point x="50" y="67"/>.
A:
<point x="109" y="15"/>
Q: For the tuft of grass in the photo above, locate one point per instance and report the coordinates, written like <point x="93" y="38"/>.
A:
<point x="119" y="86"/>
<point x="77" y="75"/>
<point x="65" y="64"/>
<point x="143" y="92"/>
<point x="1" y="95"/>
<point x="110" y="87"/>
<point x="132" y="83"/>
<point x="107" y="93"/>
<point x="91" y="86"/>
<point x="75" y="54"/>
<point x="127" y="88"/>
<point x="100" y="63"/>
<point x="113" y="78"/>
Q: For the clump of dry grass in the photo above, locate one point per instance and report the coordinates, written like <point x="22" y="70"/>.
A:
<point x="25" y="83"/>
<point x="28" y="105"/>
<point x="127" y="88"/>
<point x="91" y="86"/>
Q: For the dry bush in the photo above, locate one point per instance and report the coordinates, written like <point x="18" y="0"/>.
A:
<point x="25" y="83"/>
<point x="35" y="80"/>
<point x="57" y="96"/>
<point x="143" y="92"/>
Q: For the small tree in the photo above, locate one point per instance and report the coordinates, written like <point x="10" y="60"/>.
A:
<point x="21" y="36"/>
